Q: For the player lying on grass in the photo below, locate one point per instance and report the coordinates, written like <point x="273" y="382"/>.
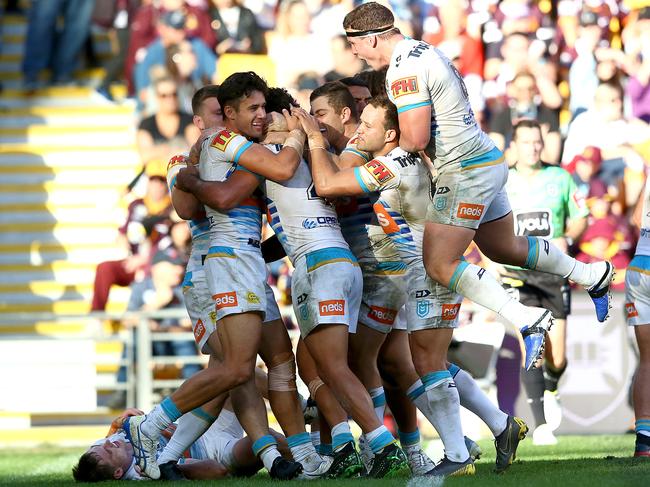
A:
<point x="222" y="451"/>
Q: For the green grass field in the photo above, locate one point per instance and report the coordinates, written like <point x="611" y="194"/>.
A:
<point x="576" y="461"/>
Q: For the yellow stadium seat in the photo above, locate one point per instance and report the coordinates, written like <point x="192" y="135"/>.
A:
<point x="261" y="64"/>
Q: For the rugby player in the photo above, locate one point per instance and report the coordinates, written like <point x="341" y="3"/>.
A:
<point x="546" y="204"/>
<point x="469" y="202"/>
<point x="334" y="106"/>
<point x="235" y="269"/>
<point x="637" y="309"/>
<point x="432" y="310"/>
<point x="221" y="451"/>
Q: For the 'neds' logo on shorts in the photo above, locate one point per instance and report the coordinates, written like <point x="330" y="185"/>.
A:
<point x="469" y="211"/>
<point x="199" y="331"/>
<point x="332" y="307"/>
<point x="382" y="315"/>
<point x="630" y="310"/>
<point x="450" y="311"/>
<point x="225" y="300"/>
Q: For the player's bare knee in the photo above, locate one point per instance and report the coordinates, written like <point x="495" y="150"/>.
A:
<point x="282" y="377"/>
<point x="240" y="373"/>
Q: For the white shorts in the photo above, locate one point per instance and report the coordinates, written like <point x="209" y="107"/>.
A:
<point x="472" y="194"/>
<point x="637" y="292"/>
<point x="326" y="288"/>
<point x="220" y="439"/>
<point x="236" y="280"/>
<point x="430" y="305"/>
<point x="384" y="293"/>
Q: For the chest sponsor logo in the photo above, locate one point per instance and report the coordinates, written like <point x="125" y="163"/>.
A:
<point x="199" y="331"/>
<point x="630" y="311"/>
<point x="386" y="221"/>
<point x="379" y="171"/>
<point x="332" y="307"/>
<point x="320" y="221"/>
<point x="382" y="315"/>
<point x="450" y="311"/>
<point x="470" y="211"/>
<point x="534" y="223"/>
<point x="225" y="300"/>
<point x="221" y="140"/>
<point x="404" y="86"/>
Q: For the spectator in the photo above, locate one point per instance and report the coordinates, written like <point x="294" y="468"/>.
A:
<point x="45" y="47"/>
<point x="145" y="225"/>
<point x="144" y="30"/>
<point x="608" y="236"/>
<point x="168" y="131"/>
<point x="293" y="40"/>
<point x="583" y="79"/>
<point x="604" y="127"/>
<point x="345" y="62"/>
<point x="171" y="27"/>
<point x="524" y="102"/>
<point x="584" y="169"/>
<point x="181" y="66"/>
<point x="236" y="27"/>
<point x="116" y="16"/>
<point x="638" y="50"/>
<point x="517" y="55"/>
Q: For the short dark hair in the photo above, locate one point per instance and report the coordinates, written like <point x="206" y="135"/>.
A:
<point x="355" y="80"/>
<point x="238" y="86"/>
<point x="375" y="79"/>
<point x="614" y="85"/>
<point x="368" y="16"/>
<point x="390" y="111"/>
<point x="525" y="123"/>
<point x="89" y="469"/>
<point x="338" y="97"/>
<point x="202" y="94"/>
<point x="279" y="99"/>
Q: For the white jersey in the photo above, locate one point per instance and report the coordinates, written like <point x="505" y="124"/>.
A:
<point x="199" y="228"/>
<point x="404" y="184"/>
<point x="301" y="219"/>
<point x="420" y="75"/>
<point x="240" y="227"/>
<point x="360" y="226"/>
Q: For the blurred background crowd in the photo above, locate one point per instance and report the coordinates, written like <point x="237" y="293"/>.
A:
<point x="579" y="67"/>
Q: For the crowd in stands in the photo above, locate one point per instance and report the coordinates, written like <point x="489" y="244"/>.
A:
<point x="579" y="67"/>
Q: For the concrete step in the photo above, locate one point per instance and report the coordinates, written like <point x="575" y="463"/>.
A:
<point x="91" y="118"/>
<point x="26" y="295"/>
<point x="74" y="177"/>
<point x="37" y="256"/>
<point x="59" y="96"/>
<point x="91" y="158"/>
<point x="86" y="217"/>
<point x="59" y="235"/>
<point x="99" y="248"/>
<point x="73" y="307"/>
<point x="105" y="196"/>
<point x="68" y="136"/>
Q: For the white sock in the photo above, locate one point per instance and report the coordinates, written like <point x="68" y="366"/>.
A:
<point x="315" y="438"/>
<point x="268" y="456"/>
<point x="378" y="401"/>
<point x="301" y="447"/>
<point x="416" y="394"/>
<point x="157" y="420"/>
<point x="480" y="286"/>
<point x="443" y="412"/>
<point x="546" y="257"/>
<point x="190" y="427"/>
<point x="474" y="399"/>
<point x="341" y="435"/>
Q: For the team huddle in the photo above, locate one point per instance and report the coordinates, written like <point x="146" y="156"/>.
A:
<point x="374" y="202"/>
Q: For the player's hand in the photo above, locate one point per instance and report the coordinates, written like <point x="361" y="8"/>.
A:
<point x="292" y="121"/>
<point x="276" y="122"/>
<point x="186" y="177"/>
<point x="308" y="123"/>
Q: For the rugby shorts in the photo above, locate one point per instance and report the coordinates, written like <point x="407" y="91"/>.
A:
<point x="326" y="288"/>
<point x="384" y="293"/>
<point x="637" y="291"/>
<point x="430" y="305"/>
<point x="471" y="194"/>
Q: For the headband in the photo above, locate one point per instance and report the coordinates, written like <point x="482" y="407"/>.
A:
<point x="369" y="32"/>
